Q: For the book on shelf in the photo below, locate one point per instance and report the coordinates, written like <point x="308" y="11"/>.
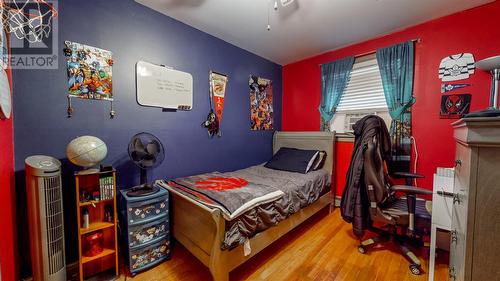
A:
<point x="101" y="187"/>
<point x="106" y="187"/>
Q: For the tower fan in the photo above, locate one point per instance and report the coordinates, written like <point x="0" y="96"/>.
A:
<point x="147" y="152"/>
<point x="45" y="215"/>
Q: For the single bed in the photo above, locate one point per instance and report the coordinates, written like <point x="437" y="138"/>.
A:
<point x="221" y="243"/>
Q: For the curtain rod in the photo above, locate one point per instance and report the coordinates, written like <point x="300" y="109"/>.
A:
<point x="417" y="40"/>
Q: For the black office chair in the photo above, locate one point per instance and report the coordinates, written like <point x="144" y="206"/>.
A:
<point x="408" y="213"/>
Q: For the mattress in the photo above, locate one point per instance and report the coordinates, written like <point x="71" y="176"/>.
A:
<point x="300" y="190"/>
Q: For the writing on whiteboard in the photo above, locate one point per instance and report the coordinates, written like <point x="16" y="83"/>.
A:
<point x="167" y="85"/>
<point x="159" y="86"/>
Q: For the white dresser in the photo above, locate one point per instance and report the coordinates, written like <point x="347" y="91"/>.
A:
<point x="475" y="227"/>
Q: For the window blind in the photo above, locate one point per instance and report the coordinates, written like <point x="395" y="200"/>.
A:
<point x="364" y="91"/>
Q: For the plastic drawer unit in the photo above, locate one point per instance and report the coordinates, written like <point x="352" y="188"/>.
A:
<point x="145" y="229"/>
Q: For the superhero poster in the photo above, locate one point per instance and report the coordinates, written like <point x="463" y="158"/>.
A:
<point x="454" y="106"/>
<point x="261" y="103"/>
<point x="89" y="72"/>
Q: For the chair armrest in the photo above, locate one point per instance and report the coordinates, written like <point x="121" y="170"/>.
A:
<point x="411" y="199"/>
<point x="410" y="189"/>
<point x="400" y="175"/>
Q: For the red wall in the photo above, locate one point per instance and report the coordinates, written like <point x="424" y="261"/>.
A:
<point x="343" y="151"/>
<point x="7" y="197"/>
<point x="476" y="31"/>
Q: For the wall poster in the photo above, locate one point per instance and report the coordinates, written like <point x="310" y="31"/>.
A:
<point x="89" y="73"/>
<point x="261" y="103"/>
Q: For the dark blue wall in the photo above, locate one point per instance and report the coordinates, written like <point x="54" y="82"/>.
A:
<point x="134" y="32"/>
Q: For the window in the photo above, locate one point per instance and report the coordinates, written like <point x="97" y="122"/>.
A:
<point x="363" y="95"/>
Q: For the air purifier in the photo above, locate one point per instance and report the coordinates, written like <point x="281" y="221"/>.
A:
<point x="45" y="215"/>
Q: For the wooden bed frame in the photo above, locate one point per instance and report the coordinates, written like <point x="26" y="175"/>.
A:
<point x="201" y="229"/>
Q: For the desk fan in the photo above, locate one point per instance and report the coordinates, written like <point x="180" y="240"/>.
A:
<point x="147" y="152"/>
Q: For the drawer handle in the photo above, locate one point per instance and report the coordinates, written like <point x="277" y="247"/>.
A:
<point x="458" y="162"/>
<point x="445" y="194"/>
<point x="454" y="236"/>
<point x="451" y="273"/>
<point x="456" y="199"/>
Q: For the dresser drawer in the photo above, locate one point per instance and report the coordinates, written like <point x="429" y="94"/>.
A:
<point x="457" y="247"/>
<point x="143" y="258"/>
<point x="461" y="182"/>
<point x="142" y="234"/>
<point x="146" y="211"/>
<point x="459" y="213"/>
<point x="462" y="163"/>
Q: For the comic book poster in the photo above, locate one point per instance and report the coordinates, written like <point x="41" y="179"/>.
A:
<point x="261" y="103"/>
<point x="89" y="72"/>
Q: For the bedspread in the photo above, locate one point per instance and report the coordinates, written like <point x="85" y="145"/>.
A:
<point x="300" y="190"/>
<point x="232" y="193"/>
<point x="289" y="193"/>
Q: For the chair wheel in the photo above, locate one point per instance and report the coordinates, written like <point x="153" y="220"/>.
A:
<point x="415" y="269"/>
<point x="361" y="249"/>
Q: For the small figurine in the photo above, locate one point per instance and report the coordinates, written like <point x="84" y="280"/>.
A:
<point x="212" y="124"/>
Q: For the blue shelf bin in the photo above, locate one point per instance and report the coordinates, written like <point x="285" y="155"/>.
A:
<point x="145" y="229"/>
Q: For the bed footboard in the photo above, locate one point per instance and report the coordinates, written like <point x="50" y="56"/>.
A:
<point x="201" y="230"/>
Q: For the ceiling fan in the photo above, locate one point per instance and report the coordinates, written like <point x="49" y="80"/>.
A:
<point x="284" y="3"/>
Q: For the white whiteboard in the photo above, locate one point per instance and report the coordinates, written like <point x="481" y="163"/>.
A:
<point x="159" y="86"/>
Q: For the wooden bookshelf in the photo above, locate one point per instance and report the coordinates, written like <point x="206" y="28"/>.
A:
<point x="95" y="202"/>
<point x="96" y="226"/>
<point x="91" y="183"/>
<point x="105" y="252"/>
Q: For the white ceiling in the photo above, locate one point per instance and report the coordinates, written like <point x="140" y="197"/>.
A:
<point x="305" y="27"/>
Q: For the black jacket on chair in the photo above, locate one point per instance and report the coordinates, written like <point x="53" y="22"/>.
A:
<point x="354" y="204"/>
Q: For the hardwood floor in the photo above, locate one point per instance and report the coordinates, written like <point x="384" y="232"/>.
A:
<point x="322" y="248"/>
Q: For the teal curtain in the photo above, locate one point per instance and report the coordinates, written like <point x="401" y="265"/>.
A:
<point x="396" y="64"/>
<point x="334" y="78"/>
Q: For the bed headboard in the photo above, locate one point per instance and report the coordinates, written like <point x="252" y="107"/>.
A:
<point x="307" y="140"/>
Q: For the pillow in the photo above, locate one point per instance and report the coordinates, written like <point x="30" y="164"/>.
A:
<point x="293" y="160"/>
<point x="319" y="162"/>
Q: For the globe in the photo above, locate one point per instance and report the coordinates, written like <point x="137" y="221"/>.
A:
<point x="86" y="151"/>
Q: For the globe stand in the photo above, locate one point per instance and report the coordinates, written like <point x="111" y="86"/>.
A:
<point x="88" y="171"/>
